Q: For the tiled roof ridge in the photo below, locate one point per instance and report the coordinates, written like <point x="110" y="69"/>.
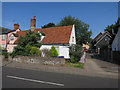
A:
<point x="54" y="27"/>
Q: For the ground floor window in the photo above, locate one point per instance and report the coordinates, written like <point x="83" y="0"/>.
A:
<point x="3" y="45"/>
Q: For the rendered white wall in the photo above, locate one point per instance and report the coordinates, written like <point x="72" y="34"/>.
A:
<point x="72" y="35"/>
<point x="62" y="50"/>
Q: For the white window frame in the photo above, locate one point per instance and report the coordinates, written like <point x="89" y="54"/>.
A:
<point x="3" y="46"/>
<point x="3" y="37"/>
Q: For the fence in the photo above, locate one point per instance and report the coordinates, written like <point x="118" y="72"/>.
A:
<point x="109" y="55"/>
<point x="116" y="56"/>
<point x="106" y="54"/>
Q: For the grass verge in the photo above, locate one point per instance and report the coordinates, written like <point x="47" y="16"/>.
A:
<point x="76" y="65"/>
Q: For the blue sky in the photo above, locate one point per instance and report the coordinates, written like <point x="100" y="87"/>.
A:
<point x="97" y="14"/>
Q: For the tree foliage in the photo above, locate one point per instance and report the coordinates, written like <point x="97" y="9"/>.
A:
<point x="82" y="33"/>
<point x="54" y="52"/>
<point x="113" y="27"/>
<point x="27" y="45"/>
<point x="48" y="25"/>
<point x="30" y="38"/>
<point x="35" y="51"/>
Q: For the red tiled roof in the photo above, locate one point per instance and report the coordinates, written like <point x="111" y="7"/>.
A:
<point x="21" y="33"/>
<point x="56" y="34"/>
<point x="53" y="35"/>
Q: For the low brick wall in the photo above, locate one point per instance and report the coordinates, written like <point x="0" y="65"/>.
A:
<point x="41" y="60"/>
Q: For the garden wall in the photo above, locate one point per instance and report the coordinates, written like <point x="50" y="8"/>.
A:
<point x="41" y="60"/>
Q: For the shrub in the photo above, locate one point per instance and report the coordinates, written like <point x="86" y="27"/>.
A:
<point x="25" y="44"/>
<point x="35" y="51"/>
<point x="46" y="52"/>
<point x="5" y="54"/>
<point x="76" y="53"/>
<point x="54" y="52"/>
<point x="28" y="49"/>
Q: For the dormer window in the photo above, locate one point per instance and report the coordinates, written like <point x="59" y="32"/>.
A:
<point x="42" y="36"/>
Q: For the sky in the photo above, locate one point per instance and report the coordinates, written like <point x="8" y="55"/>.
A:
<point x="97" y="14"/>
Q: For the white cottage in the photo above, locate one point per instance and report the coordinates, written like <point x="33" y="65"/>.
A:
<point x="60" y="37"/>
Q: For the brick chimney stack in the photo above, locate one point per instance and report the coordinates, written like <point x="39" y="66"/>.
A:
<point x="33" y="24"/>
<point x="16" y="26"/>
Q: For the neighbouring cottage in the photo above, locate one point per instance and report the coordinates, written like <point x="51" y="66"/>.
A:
<point x="60" y="37"/>
<point x="102" y="40"/>
<point x="5" y="35"/>
<point x="12" y="37"/>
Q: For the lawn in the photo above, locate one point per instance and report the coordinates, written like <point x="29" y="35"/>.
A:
<point x="77" y="65"/>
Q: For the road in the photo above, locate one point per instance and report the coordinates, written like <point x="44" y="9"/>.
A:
<point x="24" y="78"/>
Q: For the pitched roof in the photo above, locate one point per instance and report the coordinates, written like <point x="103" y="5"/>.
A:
<point x="98" y="36"/>
<point x="5" y="30"/>
<point x="15" y="35"/>
<point x="56" y="34"/>
<point x="16" y="41"/>
<point x="106" y="33"/>
<point x="53" y="35"/>
<point x="21" y="33"/>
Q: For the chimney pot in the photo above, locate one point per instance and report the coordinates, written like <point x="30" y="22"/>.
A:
<point x="34" y="17"/>
<point x="16" y="26"/>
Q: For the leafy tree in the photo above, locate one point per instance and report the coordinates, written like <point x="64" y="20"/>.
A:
<point x="48" y="25"/>
<point x="54" y="52"/>
<point x="76" y="53"/>
<point x="82" y="33"/>
<point x="28" y="48"/>
<point x="26" y="44"/>
<point x="30" y="38"/>
<point x="113" y="27"/>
